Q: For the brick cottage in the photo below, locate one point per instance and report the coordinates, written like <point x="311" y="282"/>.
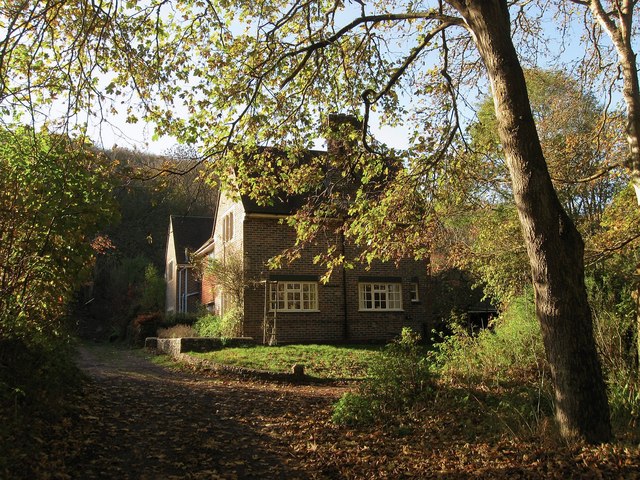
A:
<point x="291" y="304"/>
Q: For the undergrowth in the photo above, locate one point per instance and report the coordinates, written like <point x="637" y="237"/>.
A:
<point x="397" y="381"/>
<point x="502" y="368"/>
<point x="37" y="380"/>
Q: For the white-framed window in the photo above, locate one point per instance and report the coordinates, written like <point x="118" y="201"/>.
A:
<point x="227" y="227"/>
<point x="414" y="293"/>
<point x="293" y="296"/>
<point x="380" y="296"/>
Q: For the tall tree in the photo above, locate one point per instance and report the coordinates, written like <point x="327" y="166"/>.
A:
<point x="265" y="73"/>
<point x="616" y="19"/>
<point x="554" y="246"/>
<point x="569" y="120"/>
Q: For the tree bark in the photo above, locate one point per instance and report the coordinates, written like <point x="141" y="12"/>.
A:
<point x="554" y="246"/>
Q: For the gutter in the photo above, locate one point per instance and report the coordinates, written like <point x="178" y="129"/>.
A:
<point x="206" y="248"/>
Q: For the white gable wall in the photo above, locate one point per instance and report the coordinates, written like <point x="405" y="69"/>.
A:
<point x="171" y="273"/>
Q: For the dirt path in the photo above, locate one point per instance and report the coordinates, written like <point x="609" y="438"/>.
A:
<point x="144" y="421"/>
<point x="140" y="421"/>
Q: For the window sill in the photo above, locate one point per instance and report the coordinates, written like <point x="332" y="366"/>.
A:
<point x="380" y="310"/>
<point x="294" y="311"/>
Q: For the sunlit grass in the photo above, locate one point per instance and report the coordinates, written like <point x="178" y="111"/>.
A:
<point x="323" y="361"/>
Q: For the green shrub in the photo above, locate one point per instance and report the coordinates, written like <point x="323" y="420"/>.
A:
<point x="354" y="409"/>
<point x="37" y="383"/>
<point x="510" y="349"/>
<point x="36" y="376"/>
<point x="208" y="326"/>
<point x="624" y="398"/>
<point x="153" y="290"/>
<point x="503" y="368"/>
<point x="227" y="326"/>
<point x="616" y="333"/>
<point x="398" y="380"/>
<point x="231" y="323"/>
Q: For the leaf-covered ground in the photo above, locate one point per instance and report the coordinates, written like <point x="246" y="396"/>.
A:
<point x="138" y="420"/>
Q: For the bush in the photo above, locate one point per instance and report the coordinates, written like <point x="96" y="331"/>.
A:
<point x="174" y="319"/>
<point x="208" y="326"/>
<point x="505" y="365"/>
<point x="36" y="376"/>
<point x="227" y="326"/>
<point x="143" y="326"/>
<point x="177" y="331"/>
<point x="354" y="409"/>
<point x="510" y="349"/>
<point x="37" y="382"/>
<point x="231" y="323"/>
<point x="153" y="290"/>
<point x="399" y="380"/>
<point x="616" y="333"/>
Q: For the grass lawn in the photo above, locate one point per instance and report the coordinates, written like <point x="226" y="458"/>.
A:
<point x="323" y="361"/>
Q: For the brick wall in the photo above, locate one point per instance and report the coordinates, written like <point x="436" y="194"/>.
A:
<point x="258" y="238"/>
<point x="223" y="248"/>
<point x="207" y="292"/>
<point x="381" y="325"/>
<point x="265" y="238"/>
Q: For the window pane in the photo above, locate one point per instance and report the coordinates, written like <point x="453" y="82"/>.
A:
<point x="296" y="296"/>
<point x="413" y="294"/>
<point x="380" y="296"/>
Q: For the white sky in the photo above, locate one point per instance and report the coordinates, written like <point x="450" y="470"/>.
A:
<point x="139" y="136"/>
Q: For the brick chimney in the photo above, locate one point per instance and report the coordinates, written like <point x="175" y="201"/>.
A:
<point x="342" y="133"/>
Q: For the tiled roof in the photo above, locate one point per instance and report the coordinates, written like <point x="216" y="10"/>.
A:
<point x="190" y="233"/>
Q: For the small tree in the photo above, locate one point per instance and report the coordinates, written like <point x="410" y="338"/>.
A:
<point x="153" y="290"/>
<point x="228" y="274"/>
<point x="54" y="197"/>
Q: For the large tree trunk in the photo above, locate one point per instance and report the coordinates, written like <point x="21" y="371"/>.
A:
<point x="554" y="246"/>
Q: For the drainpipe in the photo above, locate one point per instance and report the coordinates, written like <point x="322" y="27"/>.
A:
<point x="186" y="289"/>
<point x="179" y="275"/>
<point x="345" y="325"/>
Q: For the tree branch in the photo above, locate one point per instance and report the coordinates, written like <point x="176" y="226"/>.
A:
<point x="372" y="19"/>
<point x="602" y="254"/>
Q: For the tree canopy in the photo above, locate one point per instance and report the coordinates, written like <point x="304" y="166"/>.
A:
<point x="569" y="121"/>
<point x="220" y="74"/>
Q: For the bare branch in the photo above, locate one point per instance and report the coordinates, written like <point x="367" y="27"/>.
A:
<point x="602" y="254"/>
<point x="599" y="174"/>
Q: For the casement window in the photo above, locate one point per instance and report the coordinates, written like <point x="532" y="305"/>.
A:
<point x="227" y="227"/>
<point x="293" y="296"/>
<point x="414" y="294"/>
<point x="380" y="296"/>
